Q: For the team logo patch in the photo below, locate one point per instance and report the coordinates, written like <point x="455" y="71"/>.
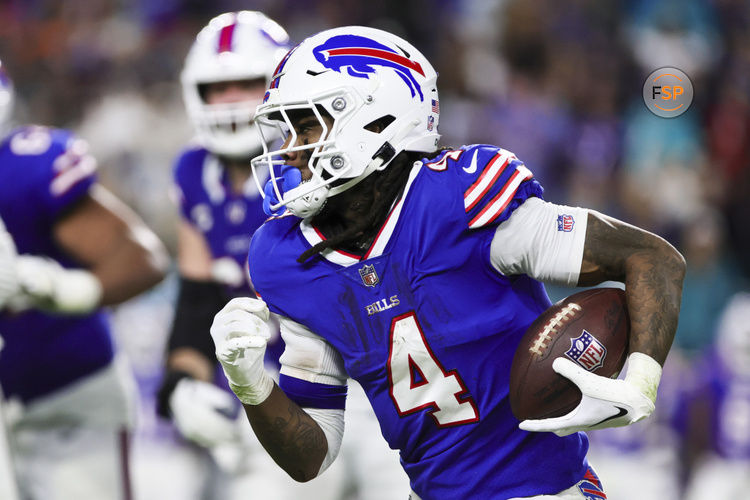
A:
<point x="587" y="351"/>
<point x="591" y="487"/>
<point x="369" y="276"/>
<point x="565" y="223"/>
<point x="358" y="55"/>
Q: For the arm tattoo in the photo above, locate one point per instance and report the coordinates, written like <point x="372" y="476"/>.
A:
<point x="292" y="438"/>
<point x="652" y="271"/>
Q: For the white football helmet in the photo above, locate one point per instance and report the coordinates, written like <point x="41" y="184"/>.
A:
<point x="7" y="95"/>
<point x="244" y="45"/>
<point x="733" y="335"/>
<point x="358" y="75"/>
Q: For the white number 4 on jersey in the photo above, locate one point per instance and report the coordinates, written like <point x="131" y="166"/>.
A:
<point x="418" y="381"/>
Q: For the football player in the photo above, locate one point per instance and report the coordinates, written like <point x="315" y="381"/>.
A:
<point x="718" y="410"/>
<point x="224" y="79"/>
<point x="79" y="249"/>
<point x="415" y="271"/>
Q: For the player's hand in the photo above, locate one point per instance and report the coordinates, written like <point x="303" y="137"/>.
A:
<point x="240" y="334"/>
<point x="203" y="413"/>
<point x="8" y="278"/>
<point x="606" y="402"/>
<point x="46" y="285"/>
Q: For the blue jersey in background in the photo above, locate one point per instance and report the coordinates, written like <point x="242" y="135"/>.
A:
<point x="43" y="174"/>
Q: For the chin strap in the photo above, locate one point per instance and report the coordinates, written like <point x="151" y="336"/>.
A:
<point x="311" y="203"/>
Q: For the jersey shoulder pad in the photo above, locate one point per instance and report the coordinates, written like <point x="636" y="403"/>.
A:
<point x="274" y="247"/>
<point x="188" y="178"/>
<point x="189" y="165"/>
<point x="492" y="180"/>
<point x="55" y="161"/>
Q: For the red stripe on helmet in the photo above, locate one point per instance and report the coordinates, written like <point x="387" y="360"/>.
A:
<point x="225" y="37"/>
<point x="380" y="54"/>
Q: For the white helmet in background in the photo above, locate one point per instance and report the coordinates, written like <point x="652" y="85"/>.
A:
<point x="733" y="334"/>
<point x="6" y="96"/>
<point x="358" y="76"/>
<point x="244" y="45"/>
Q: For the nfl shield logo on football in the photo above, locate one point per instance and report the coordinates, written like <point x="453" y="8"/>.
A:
<point x="369" y="276"/>
<point x="565" y="223"/>
<point x="587" y="351"/>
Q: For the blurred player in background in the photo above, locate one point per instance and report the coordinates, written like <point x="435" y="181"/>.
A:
<point x="717" y="427"/>
<point x="79" y="248"/>
<point x="415" y="272"/>
<point x="648" y="450"/>
<point x="224" y="78"/>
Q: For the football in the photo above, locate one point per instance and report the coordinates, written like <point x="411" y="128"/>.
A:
<point x="591" y="328"/>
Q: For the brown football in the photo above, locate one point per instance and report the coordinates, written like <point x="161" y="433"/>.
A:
<point x="591" y="328"/>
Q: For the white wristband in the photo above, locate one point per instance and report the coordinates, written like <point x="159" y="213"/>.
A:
<point x="644" y="372"/>
<point x="255" y="394"/>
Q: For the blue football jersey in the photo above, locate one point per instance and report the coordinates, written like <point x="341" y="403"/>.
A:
<point x="428" y="327"/>
<point x="725" y="394"/>
<point x="43" y="173"/>
<point x="226" y="220"/>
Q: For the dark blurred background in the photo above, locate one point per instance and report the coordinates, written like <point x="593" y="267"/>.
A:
<point x="559" y="83"/>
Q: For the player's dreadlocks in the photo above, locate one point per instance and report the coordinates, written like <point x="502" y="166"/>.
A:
<point x="369" y="202"/>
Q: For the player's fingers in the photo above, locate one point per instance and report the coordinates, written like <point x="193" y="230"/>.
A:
<point x="245" y="342"/>
<point x="544" y="424"/>
<point x="569" y="370"/>
<point x="248" y="304"/>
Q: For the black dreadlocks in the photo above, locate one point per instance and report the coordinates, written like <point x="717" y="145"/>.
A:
<point x="368" y="202"/>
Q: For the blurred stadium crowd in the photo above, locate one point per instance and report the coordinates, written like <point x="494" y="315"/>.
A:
<point x="557" y="82"/>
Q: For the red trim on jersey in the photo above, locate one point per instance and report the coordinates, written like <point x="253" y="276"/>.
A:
<point x="347" y="254"/>
<point x="484" y="173"/>
<point x="380" y="231"/>
<point x="414" y="369"/>
<point x="462" y="397"/>
<point x="504" y="191"/>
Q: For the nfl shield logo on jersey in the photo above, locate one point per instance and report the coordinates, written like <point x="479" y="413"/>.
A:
<point x="565" y="223"/>
<point x="587" y="351"/>
<point x="369" y="276"/>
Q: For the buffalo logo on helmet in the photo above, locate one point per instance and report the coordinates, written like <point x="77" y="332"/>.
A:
<point x="369" y="276"/>
<point x="587" y="351"/>
<point x="358" y="54"/>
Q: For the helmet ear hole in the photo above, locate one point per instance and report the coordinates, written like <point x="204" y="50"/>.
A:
<point x="380" y="124"/>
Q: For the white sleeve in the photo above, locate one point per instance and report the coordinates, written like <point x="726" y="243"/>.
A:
<point x="309" y="357"/>
<point x="332" y="424"/>
<point x="542" y="240"/>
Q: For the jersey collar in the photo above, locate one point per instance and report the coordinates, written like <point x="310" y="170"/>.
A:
<point x="314" y="236"/>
